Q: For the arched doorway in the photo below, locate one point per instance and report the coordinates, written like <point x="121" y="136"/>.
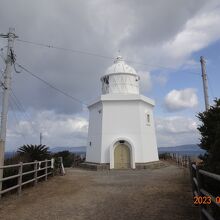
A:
<point x="122" y="157"/>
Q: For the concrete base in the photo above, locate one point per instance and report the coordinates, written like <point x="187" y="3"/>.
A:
<point x="106" y="166"/>
<point x="95" y="166"/>
<point x="149" y="165"/>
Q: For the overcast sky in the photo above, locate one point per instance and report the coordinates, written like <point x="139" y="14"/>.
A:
<point x="162" y="40"/>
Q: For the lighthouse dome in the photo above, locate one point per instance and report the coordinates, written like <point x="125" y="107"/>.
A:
<point x="120" y="78"/>
<point x="120" y="66"/>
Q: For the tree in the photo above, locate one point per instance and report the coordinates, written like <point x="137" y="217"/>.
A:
<point x="68" y="157"/>
<point x="34" y="152"/>
<point x="210" y="132"/>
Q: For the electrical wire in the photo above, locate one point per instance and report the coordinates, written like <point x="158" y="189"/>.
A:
<point x="22" y="109"/>
<point x="74" y="51"/>
<point x="19" y="104"/>
<point x="51" y="86"/>
<point x="16" y="119"/>
<point x="66" y="49"/>
<point x="50" y="46"/>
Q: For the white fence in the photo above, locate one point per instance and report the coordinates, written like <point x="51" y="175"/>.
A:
<point x="181" y="160"/>
<point x="204" y="199"/>
<point x="47" y="166"/>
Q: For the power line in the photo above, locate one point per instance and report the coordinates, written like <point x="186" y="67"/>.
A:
<point x="51" y="86"/>
<point x="16" y="119"/>
<point x="18" y="104"/>
<point x="66" y="49"/>
<point x="21" y="108"/>
<point x="50" y="46"/>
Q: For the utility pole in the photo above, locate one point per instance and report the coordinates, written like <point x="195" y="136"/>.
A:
<point x="41" y="137"/>
<point x="10" y="59"/>
<point x="205" y="82"/>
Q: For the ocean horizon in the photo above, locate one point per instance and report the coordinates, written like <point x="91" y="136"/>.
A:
<point x="183" y="150"/>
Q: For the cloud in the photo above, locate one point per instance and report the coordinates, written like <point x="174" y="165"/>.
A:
<point x="156" y="33"/>
<point x="177" y="100"/>
<point x="198" y="33"/>
<point x="182" y="29"/>
<point x="176" y="130"/>
<point x="57" y="130"/>
<point x="145" y="81"/>
<point x="176" y="125"/>
<point x="179" y="29"/>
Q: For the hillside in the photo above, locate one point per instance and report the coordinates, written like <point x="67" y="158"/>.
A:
<point x="81" y="149"/>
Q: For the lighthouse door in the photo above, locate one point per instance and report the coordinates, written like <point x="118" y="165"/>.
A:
<point x="122" y="157"/>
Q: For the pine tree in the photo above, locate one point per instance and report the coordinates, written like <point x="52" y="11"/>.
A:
<point x="210" y="132"/>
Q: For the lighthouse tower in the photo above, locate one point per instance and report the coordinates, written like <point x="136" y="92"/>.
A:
<point x="121" y="131"/>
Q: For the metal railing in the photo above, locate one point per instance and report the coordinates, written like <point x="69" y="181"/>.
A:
<point x="206" y="200"/>
<point x="180" y="160"/>
<point x="39" y="170"/>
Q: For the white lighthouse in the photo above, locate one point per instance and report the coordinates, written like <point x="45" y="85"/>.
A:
<point x="121" y="124"/>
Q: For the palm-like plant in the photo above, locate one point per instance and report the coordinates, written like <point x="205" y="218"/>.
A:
<point x="34" y="152"/>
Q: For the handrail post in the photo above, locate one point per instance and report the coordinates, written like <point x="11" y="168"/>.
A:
<point x="46" y="170"/>
<point x="191" y="177"/>
<point x="1" y="182"/>
<point x="62" y="170"/>
<point x="198" y="177"/>
<point x="23" y="172"/>
<point x="52" y="166"/>
<point x="35" y="172"/>
<point x="20" y="172"/>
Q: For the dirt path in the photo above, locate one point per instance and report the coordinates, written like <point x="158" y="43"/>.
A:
<point x="156" y="194"/>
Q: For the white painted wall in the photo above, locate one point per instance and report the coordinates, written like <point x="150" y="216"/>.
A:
<point x="93" y="152"/>
<point x="123" y="116"/>
<point x="148" y="135"/>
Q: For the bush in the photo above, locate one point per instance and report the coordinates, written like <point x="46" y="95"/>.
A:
<point x="34" y="152"/>
<point x="68" y="158"/>
<point x="164" y="156"/>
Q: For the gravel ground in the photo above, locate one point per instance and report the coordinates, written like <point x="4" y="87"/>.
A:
<point x="152" y="194"/>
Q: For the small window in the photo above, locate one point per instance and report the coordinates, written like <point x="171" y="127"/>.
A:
<point x="100" y="111"/>
<point x="106" y="80"/>
<point x="147" y="118"/>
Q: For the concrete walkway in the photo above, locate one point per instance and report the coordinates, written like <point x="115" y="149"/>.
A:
<point x="154" y="194"/>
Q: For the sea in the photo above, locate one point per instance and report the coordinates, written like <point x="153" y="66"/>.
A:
<point x="183" y="150"/>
